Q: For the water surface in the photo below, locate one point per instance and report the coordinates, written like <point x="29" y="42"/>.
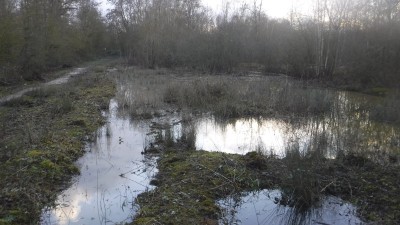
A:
<point x="261" y="208"/>
<point x="113" y="173"/>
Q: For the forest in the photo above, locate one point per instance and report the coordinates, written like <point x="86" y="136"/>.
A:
<point x="352" y="43"/>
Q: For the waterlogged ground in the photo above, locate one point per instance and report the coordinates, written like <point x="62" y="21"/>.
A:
<point x="322" y="142"/>
<point x="113" y="172"/>
<point x="169" y="156"/>
<point x="247" y="113"/>
<point x="114" y="185"/>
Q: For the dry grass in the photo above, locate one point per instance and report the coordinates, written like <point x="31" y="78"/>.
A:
<point x="148" y="92"/>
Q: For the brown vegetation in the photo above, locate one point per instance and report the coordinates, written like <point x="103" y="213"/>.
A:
<point x="149" y="92"/>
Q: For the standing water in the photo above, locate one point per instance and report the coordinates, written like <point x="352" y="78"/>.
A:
<point x="113" y="173"/>
<point x="262" y="208"/>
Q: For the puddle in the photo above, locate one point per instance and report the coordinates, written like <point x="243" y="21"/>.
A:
<point x="113" y="173"/>
<point x="61" y="80"/>
<point x="260" y="208"/>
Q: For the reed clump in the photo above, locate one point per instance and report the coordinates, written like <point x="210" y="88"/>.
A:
<point x="301" y="187"/>
<point x="147" y="92"/>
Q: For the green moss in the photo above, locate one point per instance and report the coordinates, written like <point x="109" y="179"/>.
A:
<point x="49" y="165"/>
<point x="190" y="182"/>
<point x="35" y="153"/>
<point x="60" y="128"/>
<point x="372" y="216"/>
<point x="7" y="220"/>
<point x="78" y="122"/>
<point x="182" y="194"/>
<point x="73" y="169"/>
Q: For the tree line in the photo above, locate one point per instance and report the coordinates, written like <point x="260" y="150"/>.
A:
<point x="346" y="41"/>
<point x="38" y="35"/>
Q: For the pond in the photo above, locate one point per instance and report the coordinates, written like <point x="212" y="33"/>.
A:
<point x="115" y="170"/>
<point x="340" y="131"/>
<point x="330" y="135"/>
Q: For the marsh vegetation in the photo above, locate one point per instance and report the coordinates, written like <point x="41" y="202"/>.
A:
<point x="283" y="134"/>
<point x="242" y="133"/>
<point x="228" y="103"/>
<point x="325" y="142"/>
<point x="150" y="92"/>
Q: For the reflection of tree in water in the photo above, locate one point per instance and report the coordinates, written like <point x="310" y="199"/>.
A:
<point x="346" y="129"/>
<point x="263" y="207"/>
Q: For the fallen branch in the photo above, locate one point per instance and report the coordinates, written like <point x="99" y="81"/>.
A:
<point x="323" y="189"/>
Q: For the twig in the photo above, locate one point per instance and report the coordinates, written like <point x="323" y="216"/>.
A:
<point x="323" y="189"/>
<point x="20" y="170"/>
<point x="216" y="173"/>
<point x="351" y="190"/>
<point x="219" y="186"/>
<point x="322" y="223"/>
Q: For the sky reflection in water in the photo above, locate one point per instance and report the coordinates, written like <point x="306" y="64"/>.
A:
<point x="339" y="131"/>
<point x="259" y="208"/>
<point x="100" y="195"/>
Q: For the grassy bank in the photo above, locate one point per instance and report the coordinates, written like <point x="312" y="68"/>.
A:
<point x="190" y="182"/>
<point x="42" y="134"/>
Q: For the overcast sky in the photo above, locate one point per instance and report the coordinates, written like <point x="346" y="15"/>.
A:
<point x="273" y="8"/>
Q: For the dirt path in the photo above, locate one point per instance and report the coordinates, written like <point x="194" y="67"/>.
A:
<point x="62" y="80"/>
<point x="43" y="135"/>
